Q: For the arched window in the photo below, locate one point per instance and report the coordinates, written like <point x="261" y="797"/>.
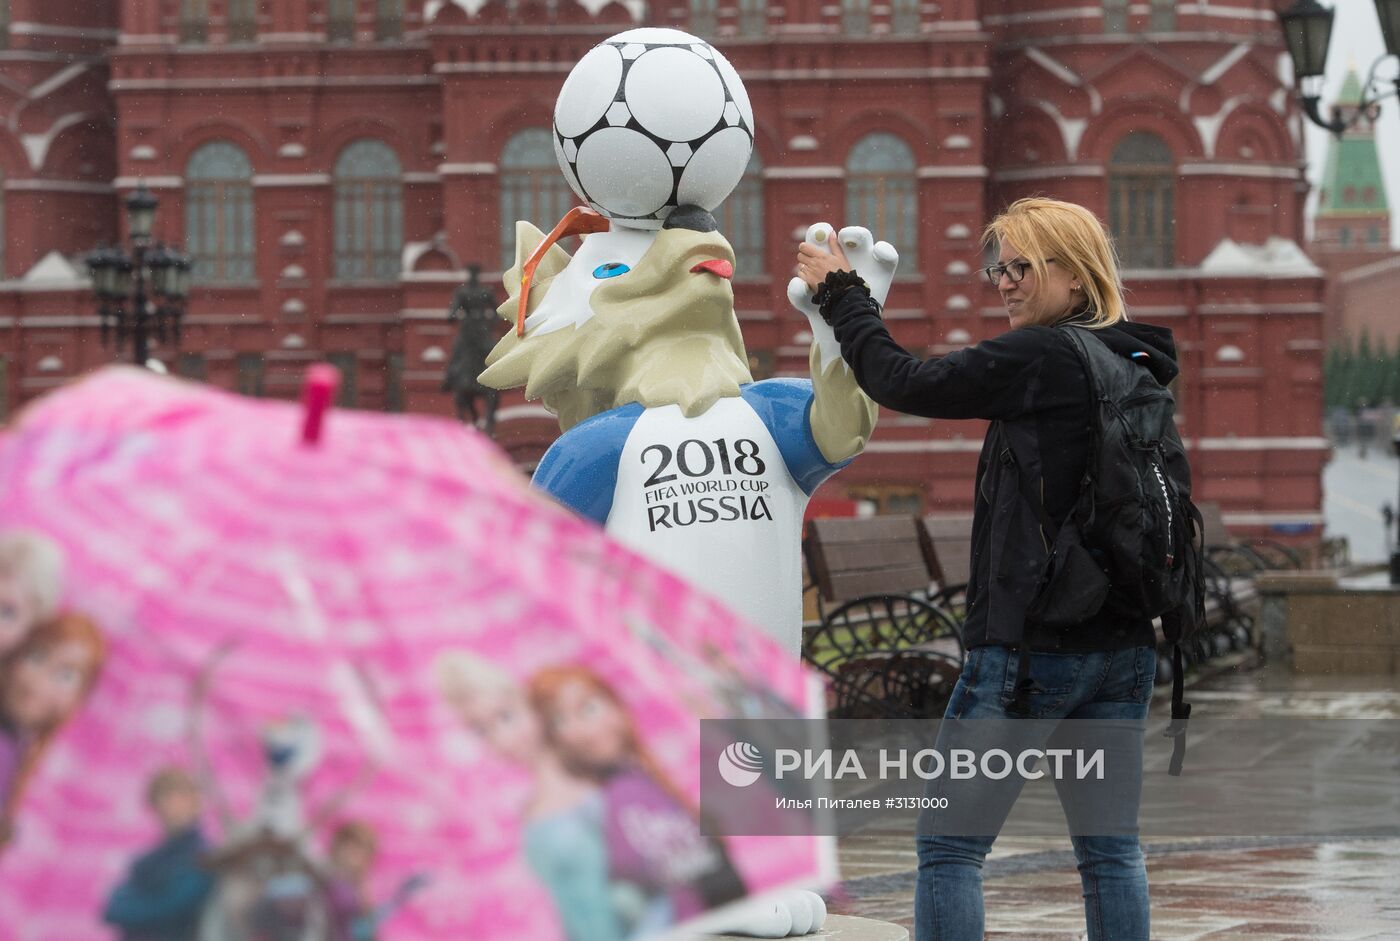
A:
<point x="1142" y="201"/>
<point x="340" y="20"/>
<point x="881" y="195"/>
<point x="388" y="20"/>
<point x="753" y="17"/>
<point x="855" y="17"/>
<point x="368" y="213"/>
<point x="194" y="20"/>
<point x="704" y="17"/>
<point x="531" y="187"/>
<point x="242" y="20"/>
<point x="741" y="220"/>
<point x="219" y="213"/>
<point x="904" y="16"/>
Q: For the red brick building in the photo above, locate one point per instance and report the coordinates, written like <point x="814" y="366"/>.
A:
<point x="335" y="164"/>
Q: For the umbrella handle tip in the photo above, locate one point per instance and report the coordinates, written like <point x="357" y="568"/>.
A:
<point x="318" y="390"/>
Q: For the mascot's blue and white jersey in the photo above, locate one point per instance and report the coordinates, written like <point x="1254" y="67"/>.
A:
<point x="717" y="498"/>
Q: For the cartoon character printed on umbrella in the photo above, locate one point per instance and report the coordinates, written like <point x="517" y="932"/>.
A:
<point x="662" y="868"/>
<point x="634" y="343"/>
<point x="43" y="681"/>
<point x="165" y="889"/>
<point x="352" y="850"/>
<point x="562" y="835"/>
<point x="266" y="877"/>
<point x="31" y="572"/>
<point x="353" y="915"/>
<point x="269" y="879"/>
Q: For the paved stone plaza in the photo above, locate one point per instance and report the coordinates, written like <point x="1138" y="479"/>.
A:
<point x="1260" y="889"/>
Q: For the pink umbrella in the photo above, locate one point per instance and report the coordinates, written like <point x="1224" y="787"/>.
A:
<point x="262" y="678"/>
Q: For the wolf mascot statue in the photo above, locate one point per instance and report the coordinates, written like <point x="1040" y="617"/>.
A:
<point x="668" y="442"/>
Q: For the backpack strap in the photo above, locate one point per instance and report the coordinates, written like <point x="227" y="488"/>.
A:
<point x="1181" y="711"/>
<point x="1034" y="499"/>
<point x="1078" y="343"/>
<point x="1176" y="625"/>
<point x="1019" y="704"/>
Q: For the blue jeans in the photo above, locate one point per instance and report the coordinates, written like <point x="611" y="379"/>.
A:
<point x="1108" y="685"/>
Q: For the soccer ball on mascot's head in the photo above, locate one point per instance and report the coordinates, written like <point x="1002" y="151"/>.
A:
<point x="649" y="120"/>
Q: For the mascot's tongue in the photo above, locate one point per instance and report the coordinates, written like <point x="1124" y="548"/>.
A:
<point x="715" y="266"/>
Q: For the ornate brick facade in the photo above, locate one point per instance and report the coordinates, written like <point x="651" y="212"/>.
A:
<point x="1172" y="119"/>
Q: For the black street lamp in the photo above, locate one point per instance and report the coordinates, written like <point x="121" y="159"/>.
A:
<point x="140" y="293"/>
<point x="1390" y="515"/>
<point x="141" y="212"/>
<point x="1307" y="31"/>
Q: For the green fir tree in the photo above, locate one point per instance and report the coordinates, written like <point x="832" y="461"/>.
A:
<point x="1331" y="378"/>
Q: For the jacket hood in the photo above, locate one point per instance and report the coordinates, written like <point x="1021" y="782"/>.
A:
<point x="1127" y="338"/>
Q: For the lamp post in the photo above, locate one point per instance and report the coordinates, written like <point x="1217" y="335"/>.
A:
<point x="1390" y="515"/>
<point x="140" y="292"/>
<point x="1307" y="31"/>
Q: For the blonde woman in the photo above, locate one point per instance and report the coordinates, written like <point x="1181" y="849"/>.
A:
<point x="1055" y="267"/>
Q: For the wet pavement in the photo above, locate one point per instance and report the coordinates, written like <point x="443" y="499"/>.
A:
<point x="1251" y="888"/>
<point x="1354" y="489"/>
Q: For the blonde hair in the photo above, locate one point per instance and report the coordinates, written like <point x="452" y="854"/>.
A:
<point x="36" y="562"/>
<point x="461" y="675"/>
<point x="1042" y="228"/>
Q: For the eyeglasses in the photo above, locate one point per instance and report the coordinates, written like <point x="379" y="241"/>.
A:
<point x="1015" y="270"/>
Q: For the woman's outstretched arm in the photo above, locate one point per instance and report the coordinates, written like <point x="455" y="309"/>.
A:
<point x="989" y="380"/>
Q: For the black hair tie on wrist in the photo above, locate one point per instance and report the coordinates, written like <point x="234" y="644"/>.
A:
<point x="835" y="286"/>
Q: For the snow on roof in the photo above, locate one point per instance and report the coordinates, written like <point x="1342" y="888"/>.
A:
<point x="1278" y="258"/>
<point x="55" y="270"/>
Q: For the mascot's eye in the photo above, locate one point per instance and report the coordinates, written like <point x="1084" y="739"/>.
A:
<point x="610" y="270"/>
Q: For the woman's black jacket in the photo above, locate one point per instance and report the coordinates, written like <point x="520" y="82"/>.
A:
<point x="1031" y="385"/>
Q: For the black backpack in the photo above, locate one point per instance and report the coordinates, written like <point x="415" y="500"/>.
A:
<point x="1133" y="541"/>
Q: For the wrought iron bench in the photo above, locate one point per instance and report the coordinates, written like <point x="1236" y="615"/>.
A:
<point x="889" y="649"/>
<point x="1259" y="554"/>
<point x="947" y="544"/>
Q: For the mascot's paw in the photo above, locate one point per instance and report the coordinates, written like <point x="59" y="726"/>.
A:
<point x="808" y="912"/>
<point x="792" y="915"/>
<point x="875" y="261"/>
<point x="770" y="920"/>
